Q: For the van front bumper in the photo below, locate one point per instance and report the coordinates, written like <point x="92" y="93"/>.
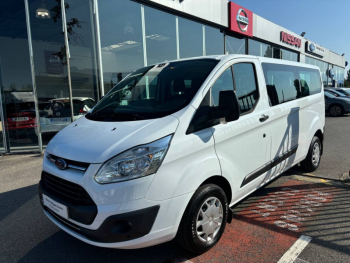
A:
<point x="116" y="228"/>
<point x="128" y="225"/>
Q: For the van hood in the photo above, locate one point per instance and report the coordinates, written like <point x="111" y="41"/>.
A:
<point x="95" y="142"/>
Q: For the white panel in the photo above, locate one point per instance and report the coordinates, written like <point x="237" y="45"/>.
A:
<point x="215" y="11"/>
<point x="271" y="32"/>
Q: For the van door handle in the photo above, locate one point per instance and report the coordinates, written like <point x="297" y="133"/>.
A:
<point x="263" y="118"/>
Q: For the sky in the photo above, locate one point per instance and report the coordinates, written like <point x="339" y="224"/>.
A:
<point x="326" y="22"/>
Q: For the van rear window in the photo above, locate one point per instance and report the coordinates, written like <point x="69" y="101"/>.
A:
<point x="285" y="83"/>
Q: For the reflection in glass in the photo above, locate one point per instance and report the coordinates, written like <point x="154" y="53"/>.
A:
<point x="51" y="73"/>
<point x="214" y="41"/>
<point x="190" y="38"/>
<point x="245" y="83"/>
<point x="259" y="49"/>
<point x="327" y="82"/>
<point x="83" y="60"/>
<point x="121" y="39"/>
<point x="235" y="45"/>
<point x="160" y="36"/>
<point x="277" y="53"/>
<point x="20" y="123"/>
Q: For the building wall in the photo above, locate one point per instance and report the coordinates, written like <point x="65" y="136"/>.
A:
<point x="215" y="11"/>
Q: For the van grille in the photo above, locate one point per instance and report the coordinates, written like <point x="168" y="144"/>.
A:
<point x="65" y="190"/>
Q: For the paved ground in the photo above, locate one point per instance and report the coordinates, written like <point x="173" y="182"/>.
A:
<point x="265" y="225"/>
<point x="336" y="150"/>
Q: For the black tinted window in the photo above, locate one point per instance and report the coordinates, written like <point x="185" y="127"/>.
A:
<point x="246" y="88"/>
<point x="224" y="82"/>
<point x="282" y="83"/>
<point x="153" y="92"/>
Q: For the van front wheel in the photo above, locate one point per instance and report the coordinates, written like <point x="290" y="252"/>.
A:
<point x="204" y="219"/>
<point x="313" y="158"/>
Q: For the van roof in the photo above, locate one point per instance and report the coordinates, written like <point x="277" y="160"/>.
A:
<point x="233" y="56"/>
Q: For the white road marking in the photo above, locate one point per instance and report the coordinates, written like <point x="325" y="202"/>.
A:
<point x="268" y="207"/>
<point x="182" y="260"/>
<point x="283" y="224"/>
<point x="303" y="207"/>
<point x="316" y="197"/>
<point x="290" y="189"/>
<point x="294" y="251"/>
<point x="274" y="201"/>
<point x="261" y="213"/>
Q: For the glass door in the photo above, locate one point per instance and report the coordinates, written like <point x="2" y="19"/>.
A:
<point x="46" y="21"/>
<point x="84" y="57"/>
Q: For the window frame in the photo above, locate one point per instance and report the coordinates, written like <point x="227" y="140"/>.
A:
<point x="296" y="71"/>
<point x="234" y="84"/>
<point x="256" y="85"/>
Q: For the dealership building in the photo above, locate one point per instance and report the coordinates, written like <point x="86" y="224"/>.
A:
<point x="57" y="59"/>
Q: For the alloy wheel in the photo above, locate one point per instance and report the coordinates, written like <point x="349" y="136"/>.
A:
<point x="335" y="110"/>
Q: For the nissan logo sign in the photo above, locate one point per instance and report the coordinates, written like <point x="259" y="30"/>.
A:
<point x="61" y="164"/>
<point x="242" y="20"/>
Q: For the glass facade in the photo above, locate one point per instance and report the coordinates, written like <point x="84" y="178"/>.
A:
<point x="339" y="72"/>
<point x="261" y="49"/>
<point x="104" y="41"/>
<point x="339" y="76"/>
<point x="235" y="45"/>
<point x="18" y="120"/>
<point x="69" y="54"/>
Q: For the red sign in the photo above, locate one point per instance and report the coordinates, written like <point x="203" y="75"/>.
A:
<point x="289" y="39"/>
<point x="241" y="20"/>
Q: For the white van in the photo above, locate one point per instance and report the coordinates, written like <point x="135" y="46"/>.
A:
<point x="170" y="149"/>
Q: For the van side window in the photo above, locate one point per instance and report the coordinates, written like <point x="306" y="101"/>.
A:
<point x="224" y="82"/>
<point x="246" y="88"/>
<point x="282" y="83"/>
<point x="310" y="80"/>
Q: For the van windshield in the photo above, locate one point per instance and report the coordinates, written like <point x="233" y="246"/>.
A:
<point x="153" y="92"/>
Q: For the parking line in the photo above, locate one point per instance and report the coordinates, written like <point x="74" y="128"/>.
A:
<point x="294" y="251"/>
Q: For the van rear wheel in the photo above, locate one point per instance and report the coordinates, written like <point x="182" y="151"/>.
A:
<point x="204" y="219"/>
<point x="313" y="158"/>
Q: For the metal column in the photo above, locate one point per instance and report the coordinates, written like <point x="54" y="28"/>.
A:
<point x="29" y="33"/>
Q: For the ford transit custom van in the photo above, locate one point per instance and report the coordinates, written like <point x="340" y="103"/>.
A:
<point x="172" y="147"/>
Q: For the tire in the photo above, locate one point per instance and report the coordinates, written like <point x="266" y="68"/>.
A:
<point x="336" y="110"/>
<point x="313" y="158"/>
<point x="192" y="238"/>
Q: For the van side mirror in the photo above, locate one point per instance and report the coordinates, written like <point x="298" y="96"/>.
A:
<point x="228" y="107"/>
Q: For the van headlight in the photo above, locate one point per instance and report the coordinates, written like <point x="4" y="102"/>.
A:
<point x="134" y="163"/>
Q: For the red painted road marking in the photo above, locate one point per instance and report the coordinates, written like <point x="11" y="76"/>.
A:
<point x="265" y="229"/>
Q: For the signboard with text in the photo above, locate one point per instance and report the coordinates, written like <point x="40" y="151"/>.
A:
<point x="313" y="48"/>
<point x="290" y="39"/>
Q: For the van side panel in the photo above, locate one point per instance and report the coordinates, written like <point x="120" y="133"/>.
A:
<point x="191" y="160"/>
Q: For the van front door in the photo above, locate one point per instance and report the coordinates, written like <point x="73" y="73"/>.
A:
<point x="243" y="146"/>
